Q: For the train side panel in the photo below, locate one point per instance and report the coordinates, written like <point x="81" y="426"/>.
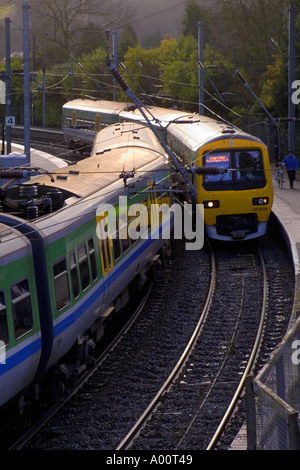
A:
<point x="83" y="119"/>
<point x="20" y="335"/>
<point x="87" y="277"/>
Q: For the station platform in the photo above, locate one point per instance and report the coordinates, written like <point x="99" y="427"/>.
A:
<point x="286" y="208"/>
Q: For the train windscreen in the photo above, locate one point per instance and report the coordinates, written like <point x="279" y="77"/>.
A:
<point x="241" y="169"/>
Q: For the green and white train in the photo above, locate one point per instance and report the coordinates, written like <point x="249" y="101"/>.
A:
<point x="60" y="275"/>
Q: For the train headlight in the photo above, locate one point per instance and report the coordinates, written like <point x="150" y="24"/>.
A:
<point x="211" y="204"/>
<point x="260" y="201"/>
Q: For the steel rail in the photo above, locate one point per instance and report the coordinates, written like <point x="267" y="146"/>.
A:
<point x="135" y="430"/>
<point x="250" y="364"/>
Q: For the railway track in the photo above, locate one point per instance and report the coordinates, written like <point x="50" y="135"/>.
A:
<point x="194" y="413"/>
<point x="50" y="141"/>
<point x="210" y="382"/>
<point x="143" y="397"/>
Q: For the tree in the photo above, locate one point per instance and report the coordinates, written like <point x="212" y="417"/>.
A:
<point x="192" y="15"/>
<point x="169" y="74"/>
<point x="151" y="40"/>
<point x="145" y="65"/>
<point x="128" y="39"/>
<point x="251" y="31"/>
<point x="66" y="20"/>
<point x="180" y="75"/>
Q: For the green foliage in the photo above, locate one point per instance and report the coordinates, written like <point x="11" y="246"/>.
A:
<point x="180" y="75"/>
<point x="171" y="73"/>
<point x="192" y="15"/>
<point x="128" y="39"/>
<point x="144" y="66"/>
<point x="274" y="88"/>
<point x="93" y="79"/>
<point x="251" y="35"/>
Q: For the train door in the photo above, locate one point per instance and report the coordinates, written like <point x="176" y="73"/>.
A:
<point x="98" y="122"/>
<point x="153" y="205"/>
<point x="105" y="248"/>
<point x="105" y="243"/>
<point x="74" y="118"/>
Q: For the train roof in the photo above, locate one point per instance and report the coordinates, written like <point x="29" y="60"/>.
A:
<point x="109" y="107"/>
<point x="129" y="111"/>
<point x="159" y="116"/>
<point x="206" y="130"/>
<point x="119" y="147"/>
<point x="11" y="243"/>
<point x="203" y="129"/>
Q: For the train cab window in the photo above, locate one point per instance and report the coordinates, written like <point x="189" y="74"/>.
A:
<point x="3" y="322"/>
<point x="220" y="160"/>
<point x="241" y="169"/>
<point x="74" y="274"/>
<point x="92" y="258"/>
<point x="249" y="166"/>
<point x="21" y="308"/>
<point x="83" y="266"/>
<point x="61" y="284"/>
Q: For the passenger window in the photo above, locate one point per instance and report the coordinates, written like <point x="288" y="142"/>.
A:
<point x="74" y="274"/>
<point x="116" y="243"/>
<point x="92" y="259"/>
<point x="3" y="322"/>
<point x="21" y="308"/>
<point x="124" y="235"/>
<point x="61" y="284"/>
<point x="108" y="252"/>
<point x="83" y="267"/>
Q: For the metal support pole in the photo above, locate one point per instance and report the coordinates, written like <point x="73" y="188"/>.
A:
<point x="8" y="84"/>
<point x="44" y="94"/>
<point x="72" y="79"/>
<point x="250" y="414"/>
<point x="201" y="70"/>
<point x="115" y="56"/>
<point x="3" y="139"/>
<point x="291" y="106"/>
<point x="26" y="61"/>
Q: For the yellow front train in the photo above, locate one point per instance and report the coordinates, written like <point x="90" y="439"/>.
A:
<point x="237" y="202"/>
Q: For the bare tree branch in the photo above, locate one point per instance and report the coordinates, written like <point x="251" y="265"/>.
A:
<point x="63" y="20"/>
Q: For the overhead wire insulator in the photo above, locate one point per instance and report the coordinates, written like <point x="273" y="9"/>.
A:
<point x="13" y="174"/>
